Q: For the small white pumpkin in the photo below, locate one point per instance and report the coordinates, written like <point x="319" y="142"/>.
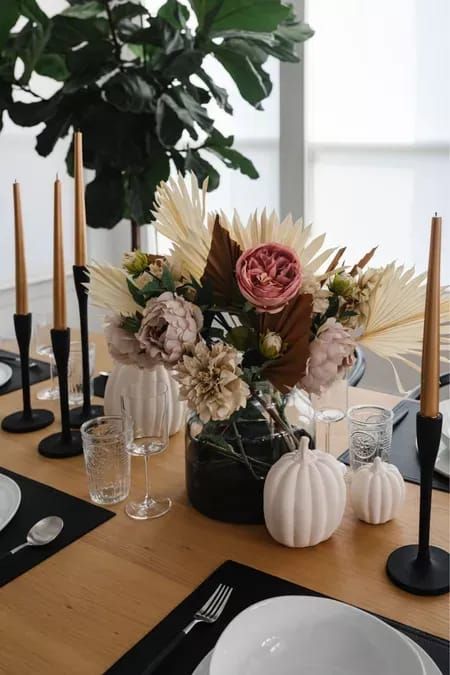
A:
<point x="377" y="492"/>
<point x="304" y="497"/>
<point x="122" y="376"/>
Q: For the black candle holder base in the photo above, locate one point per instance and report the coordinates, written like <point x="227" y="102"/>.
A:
<point x="19" y="423"/>
<point x="421" y="577"/>
<point x="77" y="416"/>
<point x="57" y="446"/>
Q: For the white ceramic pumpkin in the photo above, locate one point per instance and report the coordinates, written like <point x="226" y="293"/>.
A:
<point x="123" y="375"/>
<point x="377" y="492"/>
<point x="304" y="497"/>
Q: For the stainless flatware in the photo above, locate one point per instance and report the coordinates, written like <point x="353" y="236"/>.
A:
<point x="43" y="532"/>
<point x="209" y="613"/>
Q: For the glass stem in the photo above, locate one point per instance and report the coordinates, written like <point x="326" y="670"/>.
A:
<point x="327" y="436"/>
<point x="147" y="497"/>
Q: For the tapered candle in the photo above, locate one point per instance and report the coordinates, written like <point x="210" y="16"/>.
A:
<point x="429" y="397"/>
<point x="80" y="209"/>
<point x="21" y="269"/>
<point x="59" y="285"/>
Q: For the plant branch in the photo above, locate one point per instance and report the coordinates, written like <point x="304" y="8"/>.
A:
<point x="113" y="34"/>
<point x="22" y="87"/>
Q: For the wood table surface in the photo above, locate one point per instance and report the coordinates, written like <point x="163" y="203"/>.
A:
<point x="81" y="609"/>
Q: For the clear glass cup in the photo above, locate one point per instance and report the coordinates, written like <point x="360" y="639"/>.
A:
<point x="148" y="420"/>
<point x="370" y="434"/>
<point x="105" y="441"/>
<point x="331" y="406"/>
<point x="75" y="374"/>
<point x="42" y="324"/>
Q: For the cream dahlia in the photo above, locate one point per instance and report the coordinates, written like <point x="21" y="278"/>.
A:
<point x="210" y="381"/>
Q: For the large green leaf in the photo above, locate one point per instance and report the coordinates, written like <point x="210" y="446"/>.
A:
<point x="52" y="65"/>
<point x="219" y="93"/>
<point x="174" y="13"/>
<point x="195" y="110"/>
<point x="55" y="128"/>
<point x="252" y="15"/>
<point x="29" y="114"/>
<point x="142" y="186"/>
<point x="232" y="158"/>
<point x="105" y="199"/>
<point x="128" y="10"/>
<point x="184" y="64"/>
<point x="31" y="10"/>
<point x="297" y="31"/>
<point x="86" y="10"/>
<point x="165" y="104"/>
<point x="67" y="32"/>
<point x="129" y="91"/>
<point x="202" y="169"/>
<point x="30" y="45"/>
<point x="8" y="17"/>
<point x="252" y="83"/>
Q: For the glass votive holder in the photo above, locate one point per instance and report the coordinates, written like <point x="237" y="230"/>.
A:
<point x="107" y="461"/>
<point x="75" y="372"/>
<point x="370" y="434"/>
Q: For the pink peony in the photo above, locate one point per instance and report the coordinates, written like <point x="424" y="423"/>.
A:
<point x="169" y="326"/>
<point x="268" y="276"/>
<point x="330" y="352"/>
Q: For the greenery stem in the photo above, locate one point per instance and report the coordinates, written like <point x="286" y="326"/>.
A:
<point x="113" y="34"/>
<point x="243" y="453"/>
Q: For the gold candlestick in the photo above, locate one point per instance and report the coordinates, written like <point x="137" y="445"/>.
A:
<point x="59" y="285"/>
<point x="21" y="269"/>
<point x="429" y="397"/>
<point x="80" y="210"/>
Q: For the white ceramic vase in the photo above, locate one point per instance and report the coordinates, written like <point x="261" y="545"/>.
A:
<point x="123" y="375"/>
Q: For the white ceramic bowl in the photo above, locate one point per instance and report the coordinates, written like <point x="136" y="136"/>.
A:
<point x="301" y="635"/>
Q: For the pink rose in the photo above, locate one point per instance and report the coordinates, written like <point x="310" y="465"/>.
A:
<point x="268" y="276"/>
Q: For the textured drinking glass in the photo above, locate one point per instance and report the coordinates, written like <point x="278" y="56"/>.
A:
<point x="148" y="420"/>
<point x="42" y="323"/>
<point x="105" y="441"/>
<point x="331" y="406"/>
<point x="75" y="374"/>
<point x="370" y="434"/>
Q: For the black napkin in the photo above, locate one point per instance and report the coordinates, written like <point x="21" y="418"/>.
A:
<point x="38" y="373"/>
<point x="403" y="451"/>
<point x="38" y="501"/>
<point x="249" y="586"/>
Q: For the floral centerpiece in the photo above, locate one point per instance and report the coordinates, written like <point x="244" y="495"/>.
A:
<point x="240" y="316"/>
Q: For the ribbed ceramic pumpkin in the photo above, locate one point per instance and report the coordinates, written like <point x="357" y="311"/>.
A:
<point x="377" y="492"/>
<point x="123" y="375"/>
<point x="304" y="497"/>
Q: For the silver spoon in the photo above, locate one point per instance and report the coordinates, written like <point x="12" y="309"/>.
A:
<point x="43" y="532"/>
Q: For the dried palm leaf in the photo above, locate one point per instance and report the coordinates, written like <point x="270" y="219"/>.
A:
<point x="108" y="289"/>
<point x="363" y="262"/>
<point x="220" y="265"/>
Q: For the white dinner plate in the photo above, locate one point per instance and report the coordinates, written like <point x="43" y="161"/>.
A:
<point x="429" y="665"/>
<point x="312" y="636"/>
<point x="5" y="373"/>
<point x="10" y="497"/>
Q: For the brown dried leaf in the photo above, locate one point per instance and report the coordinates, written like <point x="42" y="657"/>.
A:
<point x="363" y="262"/>
<point x="294" y="326"/>
<point x="334" y="263"/>
<point x="220" y="266"/>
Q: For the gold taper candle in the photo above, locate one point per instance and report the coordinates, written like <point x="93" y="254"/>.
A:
<point x="21" y="268"/>
<point x="80" y="209"/>
<point x="59" y="283"/>
<point x="429" y="396"/>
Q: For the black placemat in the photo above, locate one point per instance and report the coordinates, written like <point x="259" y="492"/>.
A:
<point x="249" y="586"/>
<point x="403" y="451"/>
<point x="38" y="373"/>
<point x="38" y="501"/>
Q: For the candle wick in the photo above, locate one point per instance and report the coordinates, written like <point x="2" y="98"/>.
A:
<point x="435" y="214"/>
<point x="57" y="176"/>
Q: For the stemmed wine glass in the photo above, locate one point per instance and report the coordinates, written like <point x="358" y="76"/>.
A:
<point x="148" y="421"/>
<point x="331" y="406"/>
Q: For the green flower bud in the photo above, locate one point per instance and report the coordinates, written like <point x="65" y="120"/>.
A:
<point x="135" y="262"/>
<point x="270" y="345"/>
<point x="342" y="284"/>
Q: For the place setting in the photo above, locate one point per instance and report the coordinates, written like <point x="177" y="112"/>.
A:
<point x="212" y="423"/>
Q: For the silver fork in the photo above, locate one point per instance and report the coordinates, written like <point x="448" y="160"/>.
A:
<point x="209" y="613"/>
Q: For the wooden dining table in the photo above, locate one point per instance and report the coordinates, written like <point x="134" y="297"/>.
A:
<point x="82" y="608"/>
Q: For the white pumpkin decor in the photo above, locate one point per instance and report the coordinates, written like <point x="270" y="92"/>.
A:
<point x="123" y="375"/>
<point x="304" y="497"/>
<point x="377" y="492"/>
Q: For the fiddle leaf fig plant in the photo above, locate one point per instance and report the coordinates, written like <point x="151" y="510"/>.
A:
<point x="136" y="83"/>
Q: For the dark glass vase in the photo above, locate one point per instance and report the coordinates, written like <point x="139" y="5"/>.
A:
<point x="225" y="471"/>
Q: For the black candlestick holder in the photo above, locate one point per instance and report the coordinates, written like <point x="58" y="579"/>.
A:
<point x="87" y="411"/>
<point x="28" y="419"/>
<point x="423" y="569"/>
<point x="66" y="443"/>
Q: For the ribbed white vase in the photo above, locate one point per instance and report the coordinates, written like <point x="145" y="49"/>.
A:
<point x="145" y="380"/>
